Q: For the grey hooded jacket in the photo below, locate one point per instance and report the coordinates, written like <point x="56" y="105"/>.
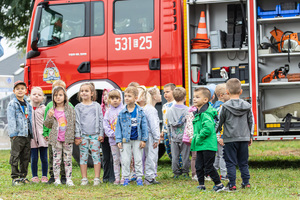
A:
<point x="237" y="117"/>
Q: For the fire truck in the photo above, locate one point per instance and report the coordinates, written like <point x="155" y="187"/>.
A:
<point x="112" y="43"/>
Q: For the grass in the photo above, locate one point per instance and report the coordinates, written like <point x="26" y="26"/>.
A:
<point x="274" y="169"/>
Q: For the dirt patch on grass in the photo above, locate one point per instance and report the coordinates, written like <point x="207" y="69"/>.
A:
<point x="286" y="152"/>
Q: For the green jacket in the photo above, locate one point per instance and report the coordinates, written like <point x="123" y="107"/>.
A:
<point x="46" y="130"/>
<point x="204" y="137"/>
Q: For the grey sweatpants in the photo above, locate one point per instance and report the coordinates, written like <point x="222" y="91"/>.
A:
<point x="126" y="153"/>
<point x="151" y="159"/>
<point x="220" y="162"/>
<point x="183" y="149"/>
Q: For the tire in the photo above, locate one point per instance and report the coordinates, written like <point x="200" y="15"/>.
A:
<point x="76" y="156"/>
<point x="161" y="150"/>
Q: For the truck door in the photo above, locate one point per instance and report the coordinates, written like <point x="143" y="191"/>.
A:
<point x="133" y="42"/>
<point x="63" y="43"/>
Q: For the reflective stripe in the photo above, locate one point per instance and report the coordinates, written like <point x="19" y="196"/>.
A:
<point x="202" y="31"/>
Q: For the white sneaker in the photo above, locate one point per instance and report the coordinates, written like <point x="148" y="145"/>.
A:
<point x="96" y="181"/>
<point x="195" y="178"/>
<point x="57" y="182"/>
<point x="207" y="178"/>
<point x="70" y="183"/>
<point x="84" y="181"/>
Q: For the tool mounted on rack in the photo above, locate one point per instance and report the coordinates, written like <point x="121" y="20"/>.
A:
<point x="281" y="73"/>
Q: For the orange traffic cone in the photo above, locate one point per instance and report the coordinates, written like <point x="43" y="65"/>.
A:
<point x="201" y="40"/>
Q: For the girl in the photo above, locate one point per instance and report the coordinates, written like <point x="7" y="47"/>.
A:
<point x="38" y="143"/>
<point x="61" y="120"/>
<point x="109" y="123"/>
<point x="108" y="170"/>
<point x="88" y="130"/>
<point x="151" y="149"/>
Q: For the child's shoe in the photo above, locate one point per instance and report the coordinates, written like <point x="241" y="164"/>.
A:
<point x="195" y="178"/>
<point x="139" y="182"/>
<point x="117" y="182"/>
<point x="35" y="179"/>
<point x="133" y="178"/>
<point x="244" y="186"/>
<point x="57" y="182"/>
<point x="63" y="180"/>
<point x="122" y="181"/>
<point x="219" y="188"/>
<point x="207" y="178"/>
<point x="151" y="182"/>
<point x="17" y="182"/>
<point x="96" y="181"/>
<point x="186" y="175"/>
<point x="84" y="181"/>
<point x="126" y="182"/>
<point x="224" y="178"/>
<point x="230" y="188"/>
<point x="70" y="183"/>
<point x="25" y="181"/>
<point x="51" y="180"/>
<point x="201" y="187"/>
<point x="176" y="176"/>
<point x="44" y="179"/>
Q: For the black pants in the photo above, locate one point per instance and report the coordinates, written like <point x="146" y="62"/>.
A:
<point x="62" y="164"/>
<point x="205" y="165"/>
<point x="236" y="153"/>
<point x="108" y="168"/>
<point x="19" y="154"/>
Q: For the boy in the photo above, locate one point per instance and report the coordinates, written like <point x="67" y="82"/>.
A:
<point x="131" y="135"/>
<point x="165" y="135"/>
<point x="46" y="132"/>
<point x="176" y="124"/>
<point x="219" y="161"/>
<point x="19" y="117"/>
<point x="237" y="118"/>
<point x="204" y="139"/>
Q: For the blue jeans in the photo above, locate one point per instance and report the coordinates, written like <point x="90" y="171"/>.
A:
<point x="35" y="158"/>
<point x="236" y="153"/>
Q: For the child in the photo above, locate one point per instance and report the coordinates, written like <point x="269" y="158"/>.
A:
<point x="151" y="149"/>
<point x="19" y="117"/>
<point x="131" y="135"/>
<point x="109" y="124"/>
<point x="205" y="139"/>
<point x="168" y="95"/>
<point x="46" y="132"/>
<point x="88" y="128"/>
<point x="108" y="168"/>
<point x="61" y="120"/>
<point x="38" y="143"/>
<point x="237" y="118"/>
<point x="176" y="124"/>
<point x="219" y="161"/>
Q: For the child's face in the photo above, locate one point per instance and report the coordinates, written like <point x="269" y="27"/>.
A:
<point x="20" y="91"/>
<point x="157" y="97"/>
<point x="130" y="98"/>
<point x="59" y="97"/>
<point x="199" y="99"/>
<point x="37" y="96"/>
<point x="115" y="101"/>
<point x="86" y="93"/>
<point x="168" y="94"/>
<point x="105" y="97"/>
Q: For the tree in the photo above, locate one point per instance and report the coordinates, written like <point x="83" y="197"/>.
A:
<point x="15" y="20"/>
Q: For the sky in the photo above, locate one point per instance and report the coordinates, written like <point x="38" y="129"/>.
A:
<point x="8" y="51"/>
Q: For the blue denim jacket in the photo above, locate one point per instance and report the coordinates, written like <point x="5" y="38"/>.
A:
<point x="123" y="127"/>
<point x="17" y="122"/>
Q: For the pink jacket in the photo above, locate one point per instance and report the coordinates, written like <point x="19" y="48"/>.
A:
<point x="37" y="127"/>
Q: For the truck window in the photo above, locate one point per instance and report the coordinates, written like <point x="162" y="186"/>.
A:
<point x="60" y="23"/>
<point x="98" y="18"/>
<point x="133" y="16"/>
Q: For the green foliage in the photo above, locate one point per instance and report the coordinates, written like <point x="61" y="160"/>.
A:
<point x="15" y="20"/>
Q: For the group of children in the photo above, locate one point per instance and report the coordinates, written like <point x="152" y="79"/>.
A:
<point x="129" y="134"/>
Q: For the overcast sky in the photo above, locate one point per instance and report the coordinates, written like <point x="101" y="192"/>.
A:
<point x="8" y="51"/>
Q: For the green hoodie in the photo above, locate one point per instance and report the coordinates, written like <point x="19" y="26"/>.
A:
<point x="204" y="137"/>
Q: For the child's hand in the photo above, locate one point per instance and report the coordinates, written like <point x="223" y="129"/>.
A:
<point x="191" y="140"/>
<point x="142" y="144"/>
<point x="162" y="136"/>
<point x="46" y="138"/>
<point x="220" y="141"/>
<point x="14" y="137"/>
<point x="51" y="112"/>
<point x="120" y="145"/>
<point x="155" y="144"/>
<point x="78" y="141"/>
<point x="101" y="139"/>
<point x="250" y="142"/>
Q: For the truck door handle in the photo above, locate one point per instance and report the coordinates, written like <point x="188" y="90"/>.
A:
<point x="84" y="67"/>
<point x="154" y="64"/>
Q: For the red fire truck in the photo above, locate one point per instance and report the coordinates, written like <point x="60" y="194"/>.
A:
<point x="113" y="43"/>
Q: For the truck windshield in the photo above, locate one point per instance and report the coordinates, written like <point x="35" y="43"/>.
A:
<point x="60" y="23"/>
<point x="133" y="16"/>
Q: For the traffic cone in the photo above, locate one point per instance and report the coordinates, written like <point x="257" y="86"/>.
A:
<point x="201" y="40"/>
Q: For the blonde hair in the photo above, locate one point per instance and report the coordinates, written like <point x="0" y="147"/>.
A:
<point x="150" y="93"/>
<point x="93" y="91"/>
<point x="133" y="84"/>
<point x="205" y="92"/>
<point x="114" y="93"/>
<point x="59" y="83"/>
<point x="56" y="89"/>
<point x="179" y="93"/>
<point x="132" y="90"/>
<point x="233" y="85"/>
<point x="220" y="89"/>
<point x="142" y="92"/>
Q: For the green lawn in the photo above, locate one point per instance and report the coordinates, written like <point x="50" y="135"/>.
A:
<point x="274" y="169"/>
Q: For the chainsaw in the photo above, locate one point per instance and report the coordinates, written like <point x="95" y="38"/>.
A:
<point x="286" y="41"/>
<point x="281" y="73"/>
